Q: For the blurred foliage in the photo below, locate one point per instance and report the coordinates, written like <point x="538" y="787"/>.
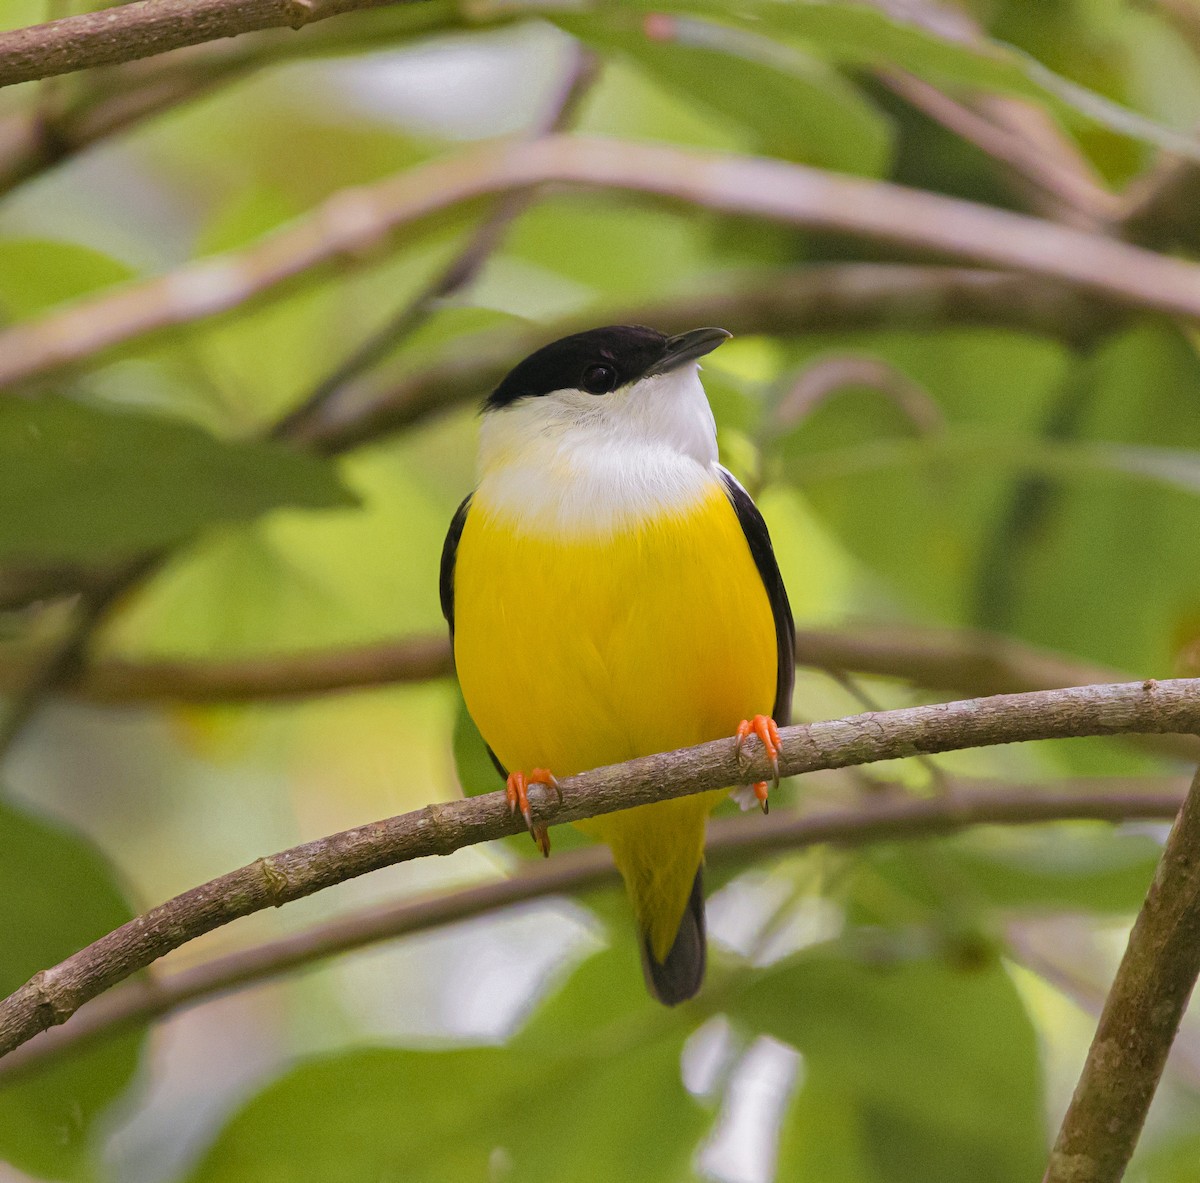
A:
<point x="58" y="458"/>
<point x="868" y="1018"/>
<point x="56" y="895"/>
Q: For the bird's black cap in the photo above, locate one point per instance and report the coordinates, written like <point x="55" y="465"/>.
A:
<point x="601" y="360"/>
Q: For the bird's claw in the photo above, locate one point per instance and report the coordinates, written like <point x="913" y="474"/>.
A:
<point x="767" y="733"/>
<point x="516" y="789"/>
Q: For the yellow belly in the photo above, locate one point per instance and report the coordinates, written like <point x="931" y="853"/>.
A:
<point x="578" y="652"/>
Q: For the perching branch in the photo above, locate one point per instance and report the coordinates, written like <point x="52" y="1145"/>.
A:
<point x="729" y="840"/>
<point x="127" y="32"/>
<point x="1140" y="1018"/>
<point x="54" y="994"/>
<point x="356" y="223"/>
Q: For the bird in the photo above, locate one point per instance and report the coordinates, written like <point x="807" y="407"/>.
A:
<point x="611" y="592"/>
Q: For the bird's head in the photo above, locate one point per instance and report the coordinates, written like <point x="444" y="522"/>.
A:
<point x="621" y="386"/>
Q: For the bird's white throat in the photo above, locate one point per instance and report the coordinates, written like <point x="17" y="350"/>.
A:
<point x="581" y="464"/>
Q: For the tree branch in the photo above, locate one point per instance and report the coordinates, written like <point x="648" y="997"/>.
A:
<point x="127" y="32"/>
<point x="115" y="681"/>
<point x="956" y="660"/>
<point x="54" y="994"/>
<point x="355" y="223"/>
<point x="840" y="297"/>
<point x="729" y="840"/>
<point x="1140" y="1018"/>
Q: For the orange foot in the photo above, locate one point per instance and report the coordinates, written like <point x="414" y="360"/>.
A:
<point x="517" y="791"/>
<point x="764" y="727"/>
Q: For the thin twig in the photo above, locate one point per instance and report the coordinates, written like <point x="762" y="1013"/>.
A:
<point x="1140" y="1018"/>
<point x="54" y="994"/>
<point x="355" y="224"/>
<point x="729" y="840"/>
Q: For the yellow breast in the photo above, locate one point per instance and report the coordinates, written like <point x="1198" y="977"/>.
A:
<point x="577" y="652"/>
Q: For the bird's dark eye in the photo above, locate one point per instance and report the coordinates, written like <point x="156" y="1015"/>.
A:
<point x="599" y="379"/>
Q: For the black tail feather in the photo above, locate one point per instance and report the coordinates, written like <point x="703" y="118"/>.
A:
<point x="678" y="978"/>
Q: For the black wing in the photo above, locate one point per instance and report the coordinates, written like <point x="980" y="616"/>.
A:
<point x="763" y="553"/>
<point x="449" y="554"/>
<point x="446" y="585"/>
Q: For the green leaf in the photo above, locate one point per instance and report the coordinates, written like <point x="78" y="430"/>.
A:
<point x="925" y="1072"/>
<point x="590" y="1092"/>
<point x="795" y="105"/>
<point x="919" y="511"/>
<point x="1171" y="1155"/>
<point x="476" y="772"/>
<point x="79" y="482"/>
<point x="36" y="274"/>
<point x="1107" y="570"/>
<point x="56" y="895"/>
<point x="1080" y="866"/>
<point x="621" y="251"/>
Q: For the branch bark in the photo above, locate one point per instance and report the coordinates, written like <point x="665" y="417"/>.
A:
<point x="1140" y="1018"/>
<point x="729" y="840"/>
<point x="839" y="297"/>
<point x="127" y="32"/>
<point x="955" y="660"/>
<point x="54" y="994"/>
<point x="355" y="224"/>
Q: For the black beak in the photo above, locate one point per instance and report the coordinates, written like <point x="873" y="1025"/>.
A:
<point x="687" y="347"/>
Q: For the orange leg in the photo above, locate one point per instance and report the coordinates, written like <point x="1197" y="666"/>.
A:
<point x="517" y="791"/>
<point x="762" y="726"/>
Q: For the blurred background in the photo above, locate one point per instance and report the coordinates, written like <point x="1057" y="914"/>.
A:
<point x="219" y="626"/>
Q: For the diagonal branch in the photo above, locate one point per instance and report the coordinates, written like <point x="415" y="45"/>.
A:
<point x="729" y="840"/>
<point x="54" y="994"/>
<point x="127" y="32"/>
<point x="356" y="223"/>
